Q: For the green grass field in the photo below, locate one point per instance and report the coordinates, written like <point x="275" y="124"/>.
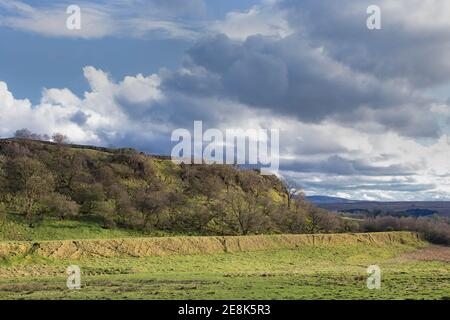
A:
<point x="258" y="267"/>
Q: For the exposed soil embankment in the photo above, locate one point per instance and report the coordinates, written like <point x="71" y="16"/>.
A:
<point x="146" y="247"/>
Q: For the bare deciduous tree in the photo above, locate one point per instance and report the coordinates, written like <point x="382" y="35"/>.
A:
<point x="60" y="138"/>
<point x="27" y="134"/>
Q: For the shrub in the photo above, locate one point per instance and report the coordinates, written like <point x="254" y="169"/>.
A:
<point x="60" y="206"/>
<point x="434" y="229"/>
<point x="106" y="211"/>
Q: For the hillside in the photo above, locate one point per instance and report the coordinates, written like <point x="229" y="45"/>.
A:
<point x="399" y="208"/>
<point x="44" y="184"/>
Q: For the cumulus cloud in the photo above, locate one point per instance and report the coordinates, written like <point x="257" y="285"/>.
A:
<point x="290" y="77"/>
<point x="90" y="119"/>
<point x="16" y="114"/>
<point x="413" y="44"/>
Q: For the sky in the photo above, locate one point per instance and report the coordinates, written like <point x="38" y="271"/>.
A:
<point x="363" y="114"/>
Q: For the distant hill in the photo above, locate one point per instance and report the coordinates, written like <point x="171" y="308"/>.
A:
<point x="404" y="208"/>
<point x="326" y="199"/>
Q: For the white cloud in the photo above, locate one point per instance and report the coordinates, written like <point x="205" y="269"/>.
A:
<point x="59" y="96"/>
<point x="7" y="99"/>
<point x="96" y="21"/>
<point x="259" y="20"/>
<point x="142" y="26"/>
<point x="386" y="165"/>
<point x="103" y="113"/>
<point x="140" y="89"/>
<point x="423" y="16"/>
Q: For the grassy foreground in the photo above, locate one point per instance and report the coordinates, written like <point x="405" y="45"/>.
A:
<point x="254" y="267"/>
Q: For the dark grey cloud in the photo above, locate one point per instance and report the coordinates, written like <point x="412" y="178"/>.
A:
<point x="338" y="165"/>
<point x="79" y="118"/>
<point x="290" y="77"/>
<point x="407" y="47"/>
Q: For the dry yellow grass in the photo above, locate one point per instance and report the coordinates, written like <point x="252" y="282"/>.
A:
<point x="147" y="247"/>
